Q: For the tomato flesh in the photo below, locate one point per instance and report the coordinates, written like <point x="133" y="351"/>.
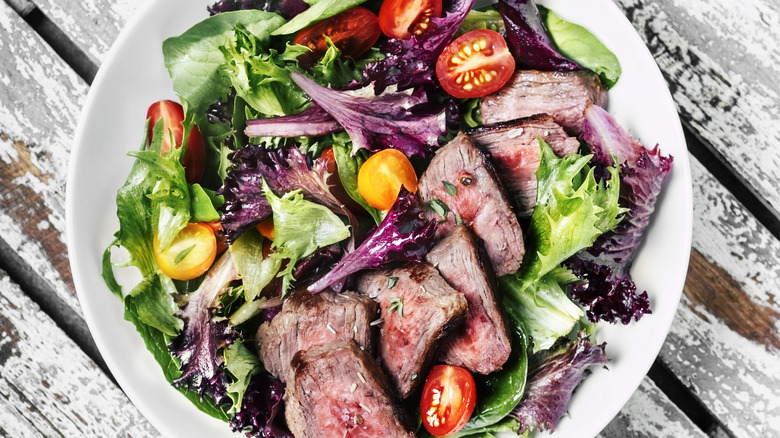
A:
<point x="380" y="178"/>
<point x="400" y="19"/>
<point x="172" y="115"/>
<point x="190" y="254"/>
<point x="353" y="32"/>
<point x="475" y="64"/>
<point x="448" y="399"/>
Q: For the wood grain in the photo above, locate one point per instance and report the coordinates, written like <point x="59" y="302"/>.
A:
<point x="48" y="386"/>
<point x="38" y="112"/>
<point x="721" y="61"/>
<point x="723" y="342"/>
<point x="650" y="414"/>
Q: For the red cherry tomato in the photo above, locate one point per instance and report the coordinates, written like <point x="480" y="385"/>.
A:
<point x="400" y="19"/>
<point x="448" y="399"/>
<point x="475" y="64"/>
<point x="353" y="32"/>
<point x="172" y="115"/>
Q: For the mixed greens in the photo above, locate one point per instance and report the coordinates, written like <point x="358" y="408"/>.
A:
<point x="281" y="133"/>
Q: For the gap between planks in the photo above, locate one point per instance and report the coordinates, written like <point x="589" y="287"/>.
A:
<point x="62" y="45"/>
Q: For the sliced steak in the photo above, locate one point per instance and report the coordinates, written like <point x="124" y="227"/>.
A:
<point x="418" y="309"/>
<point x="563" y="95"/>
<point x="514" y="150"/>
<point x="482" y="344"/>
<point x="337" y="390"/>
<point x="307" y="320"/>
<point x="479" y="201"/>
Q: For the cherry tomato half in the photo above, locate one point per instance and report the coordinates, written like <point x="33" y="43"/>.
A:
<point x="353" y="32"/>
<point x="475" y="64"/>
<point x="400" y="19"/>
<point x="380" y="178"/>
<point x="190" y="254"/>
<point x="266" y="228"/>
<point x="448" y="399"/>
<point x="172" y="115"/>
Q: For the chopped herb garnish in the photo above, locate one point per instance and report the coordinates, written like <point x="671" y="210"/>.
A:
<point x="391" y="281"/>
<point x="413" y="377"/>
<point x="438" y="207"/>
<point x="458" y="219"/>
<point x="181" y="255"/>
<point x="450" y="188"/>
<point x="396" y="304"/>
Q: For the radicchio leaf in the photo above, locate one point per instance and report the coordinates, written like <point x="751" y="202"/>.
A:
<point x="551" y="382"/>
<point x="611" y="293"/>
<point x="528" y="40"/>
<point x="409" y="63"/>
<point x="402" y="236"/>
<point x="198" y="346"/>
<point x="313" y="121"/>
<point x="284" y="170"/>
<point x="386" y="121"/>
<point x="261" y="408"/>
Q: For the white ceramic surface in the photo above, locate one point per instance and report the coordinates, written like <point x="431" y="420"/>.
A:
<point x="133" y="76"/>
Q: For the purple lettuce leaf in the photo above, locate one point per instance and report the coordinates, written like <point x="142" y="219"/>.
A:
<point x="409" y="123"/>
<point x="551" y="382"/>
<point x="403" y="236"/>
<point x="611" y="293"/>
<point x="261" y="408"/>
<point x="285" y="8"/>
<point x="409" y="63"/>
<point x="284" y="170"/>
<point x="605" y="296"/>
<point x="313" y="121"/>
<point x="198" y="347"/>
<point x="528" y="40"/>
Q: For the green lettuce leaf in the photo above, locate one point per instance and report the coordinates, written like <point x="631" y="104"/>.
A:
<point x="545" y="309"/>
<point x="242" y="364"/>
<point x="578" y="44"/>
<point x="255" y="271"/>
<point x="300" y="228"/>
<point x="261" y="76"/>
<point x="194" y="61"/>
<point x="320" y="10"/>
<point x="572" y="209"/>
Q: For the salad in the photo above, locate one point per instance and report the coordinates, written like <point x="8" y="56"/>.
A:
<point x="281" y="125"/>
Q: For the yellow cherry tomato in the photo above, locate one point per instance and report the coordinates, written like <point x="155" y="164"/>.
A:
<point x="380" y="178"/>
<point x="191" y="253"/>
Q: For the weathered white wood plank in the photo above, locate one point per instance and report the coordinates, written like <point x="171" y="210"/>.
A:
<point x="722" y="62"/>
<point x="40" y="99"/>
<point x="650" y="414"/>
<point x="725" y="341"/>
<point x="48" y="386"/>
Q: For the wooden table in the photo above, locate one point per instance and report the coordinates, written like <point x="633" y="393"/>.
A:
<point x="718" y="373"/>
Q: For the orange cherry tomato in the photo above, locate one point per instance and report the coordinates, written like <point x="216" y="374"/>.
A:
<point x="266" y="228"/>
<point x="400" y="19"/>
<point x="380" y="178"/>
<point x="190" y="255"/>
<point x="353" y="32"/>
<point x="172" y="115"/>
<point x="476" y="64"/>
<point x="448" y="399"/>
<point x="219" y="234"/>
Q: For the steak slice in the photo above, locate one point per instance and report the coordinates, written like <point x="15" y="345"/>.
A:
<point x="479" y="201"/>
<point x="482" y="344"/>
<point x="418" y="309"/>
<point x="307" y="320"/>
<point x="514" y="150"/>
<point x="337" y="390"/>
<point x="564" y="95"/>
